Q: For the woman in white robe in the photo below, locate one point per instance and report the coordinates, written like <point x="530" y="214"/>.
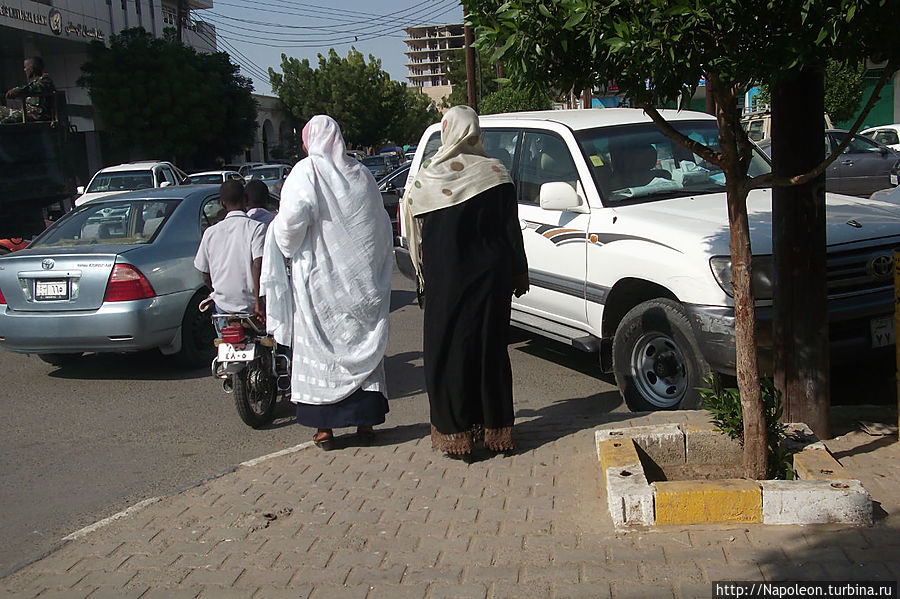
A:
<point x="333" y="228"/>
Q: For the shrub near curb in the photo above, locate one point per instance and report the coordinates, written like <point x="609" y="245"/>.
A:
<point x="825" y="493"/>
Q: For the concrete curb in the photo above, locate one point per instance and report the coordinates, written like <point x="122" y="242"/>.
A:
<point x="824" y="493"/>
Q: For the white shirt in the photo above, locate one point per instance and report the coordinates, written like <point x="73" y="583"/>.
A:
<point x="226" y="252"/>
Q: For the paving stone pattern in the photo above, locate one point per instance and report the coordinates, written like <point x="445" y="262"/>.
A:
<point x="399" y="521"/>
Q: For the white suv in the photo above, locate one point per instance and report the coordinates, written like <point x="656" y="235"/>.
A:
<point x="627" y="241"/>
<point x="129" y="177"/>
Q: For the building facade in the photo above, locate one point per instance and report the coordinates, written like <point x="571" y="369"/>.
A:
<point x="426" y="50"/>
<point x="59" y="31"/>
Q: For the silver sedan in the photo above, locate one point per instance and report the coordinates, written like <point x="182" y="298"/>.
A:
<point x="115" y="275"/>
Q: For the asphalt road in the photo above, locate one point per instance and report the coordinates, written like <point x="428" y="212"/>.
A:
<point x="82" y="443"/>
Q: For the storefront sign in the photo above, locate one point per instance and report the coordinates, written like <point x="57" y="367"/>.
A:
<point x="54" y="21"/>
<point x="25" y="16"/>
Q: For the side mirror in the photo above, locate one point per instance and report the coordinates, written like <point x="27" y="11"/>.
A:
<point x="558" y="195"/>
<point x="79" y="190"/>
<point x="164" y="184"/>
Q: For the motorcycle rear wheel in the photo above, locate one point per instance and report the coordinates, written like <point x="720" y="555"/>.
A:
<point x="255" y="396"/>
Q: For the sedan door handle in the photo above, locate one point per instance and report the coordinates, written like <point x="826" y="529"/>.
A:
<point x="847" y="162"/>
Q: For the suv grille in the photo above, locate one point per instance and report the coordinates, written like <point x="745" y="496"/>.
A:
<point x="860" y="270"/>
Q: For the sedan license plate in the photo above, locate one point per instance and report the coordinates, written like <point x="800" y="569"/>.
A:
<point x="51" y="290"/>
<point x="883" y="333"/>
<point x="230" y="353"/>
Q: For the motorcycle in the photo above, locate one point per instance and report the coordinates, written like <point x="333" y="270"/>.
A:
<point x="251" y="366"/>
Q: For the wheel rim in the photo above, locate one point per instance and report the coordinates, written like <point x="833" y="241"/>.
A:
<point x="659" y="370"/>
<point x="202" y="332"/>
<point x="260" y="394"/>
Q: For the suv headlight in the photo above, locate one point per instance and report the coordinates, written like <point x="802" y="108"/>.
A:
<point x="762" y="275"/>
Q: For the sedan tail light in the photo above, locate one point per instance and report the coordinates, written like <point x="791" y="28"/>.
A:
<point x="2" y="299"/>
<point x="127" y="283"/>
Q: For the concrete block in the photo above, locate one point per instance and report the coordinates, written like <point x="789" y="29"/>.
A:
<point x="798" y="436"/>
<point x="629" y="495"/>
<point x="819" y="464"/>
<point x="664" y="443"/>
<point x="704" y="444"/>
<point x="815" y="502"/>
<point x="616" y="453"/>
<point x="707" y="501"/>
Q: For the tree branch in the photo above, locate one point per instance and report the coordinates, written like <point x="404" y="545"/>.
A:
<point x="669" y="131"/>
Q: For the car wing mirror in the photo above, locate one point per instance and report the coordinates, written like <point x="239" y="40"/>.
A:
<point x="559" y="195"/>
<point x="164" y="184"/>
<point x="79" y="190"/>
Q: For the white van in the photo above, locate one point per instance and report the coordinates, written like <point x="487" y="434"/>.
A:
<point x="627" y="235"/>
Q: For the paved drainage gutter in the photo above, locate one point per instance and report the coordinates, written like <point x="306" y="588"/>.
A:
<point x="824" y="491"/>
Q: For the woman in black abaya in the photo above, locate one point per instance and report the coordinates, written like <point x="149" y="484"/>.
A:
<point x="465" y="241"/>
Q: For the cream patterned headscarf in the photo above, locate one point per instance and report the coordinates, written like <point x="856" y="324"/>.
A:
<point x="459" y="171"/>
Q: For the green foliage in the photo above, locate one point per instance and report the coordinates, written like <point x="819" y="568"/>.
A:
<point x="511" y="99"/>
<point x="370" y="108"/>
<point x="844" y="85"/>
<point x="168" y="100"/>
<point x="724" y="407"/>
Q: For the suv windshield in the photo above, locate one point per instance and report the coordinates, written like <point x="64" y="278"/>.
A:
<point x="639" y="163"/>
<point x="121" y="181"/>
<point x="106" y="223"/>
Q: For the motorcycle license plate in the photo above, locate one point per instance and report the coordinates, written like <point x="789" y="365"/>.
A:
<point x="230" y="353"/>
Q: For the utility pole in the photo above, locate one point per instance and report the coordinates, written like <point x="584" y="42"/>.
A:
<point x="179" y="18"/>
<point x="470" y="60"/>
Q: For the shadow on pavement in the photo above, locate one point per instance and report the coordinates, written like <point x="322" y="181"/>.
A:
<point x="404" y="379"/>
<point x="401" y="298"/>
<point x="138" y="366"/>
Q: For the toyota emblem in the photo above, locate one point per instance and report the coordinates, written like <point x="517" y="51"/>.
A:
<point x="47" y="263"/>
<point x="880" y="266"/>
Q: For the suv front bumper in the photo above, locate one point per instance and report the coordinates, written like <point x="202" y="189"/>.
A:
<point x="849" y="330"/>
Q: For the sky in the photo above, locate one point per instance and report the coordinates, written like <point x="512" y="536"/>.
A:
<point x="256" y="33"/>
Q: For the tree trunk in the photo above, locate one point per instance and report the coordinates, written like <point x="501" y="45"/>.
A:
<point x="755" y="448"/>
<point x="469" y="39"/>
<point x="800" y="336"/>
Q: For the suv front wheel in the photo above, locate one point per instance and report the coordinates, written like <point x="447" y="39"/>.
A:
<point x="656" y="358"/>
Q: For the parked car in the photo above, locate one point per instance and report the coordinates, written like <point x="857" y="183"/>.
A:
<point x="242" y="167"/>
<point x="886" y="135"/>
<point x="392" y="187"/>
<point x="627" y="240"/>
<point x="273" y="175"/>
<point x="379" y="165"/>
<point x="358" y="154"/>
<point x="864" y="167"/>
<point x="129" y="177"/>
<point x="214" y="177"/>
<point x="114" y="275"/>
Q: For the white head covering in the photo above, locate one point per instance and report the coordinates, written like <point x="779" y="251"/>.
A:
<point x="459" y="171"/>
<point x="333" y="225"/>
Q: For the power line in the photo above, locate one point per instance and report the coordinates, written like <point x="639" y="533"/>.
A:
<point x="251" y="67"/>
<point x="384" y="32"/>
<point x="331" y="15"/>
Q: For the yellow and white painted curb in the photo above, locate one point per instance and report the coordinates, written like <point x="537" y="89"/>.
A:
<point x="824" y="492"/>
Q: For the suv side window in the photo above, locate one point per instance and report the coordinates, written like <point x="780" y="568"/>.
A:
<point x="431" y="147"/>
<point x="501" y="144"/>
<point x="544" y="158"/>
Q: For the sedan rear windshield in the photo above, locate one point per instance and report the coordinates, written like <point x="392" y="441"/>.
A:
<point x="264" y="174"/>
<point x="109" y="223"/>
<point x="638" y="163"/>
<point x="204" y="179"/>
<point x="121" y="181"/>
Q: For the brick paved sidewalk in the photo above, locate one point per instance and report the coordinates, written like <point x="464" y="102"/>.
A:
<point x="398" y="520"/>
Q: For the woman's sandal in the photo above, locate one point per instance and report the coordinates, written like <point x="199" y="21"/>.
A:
<point x="324" y="441"/>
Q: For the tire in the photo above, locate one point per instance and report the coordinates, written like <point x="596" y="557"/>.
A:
<point x="255" y="395"/>
<point x="197" y="334"/>
<point x="656" y="358"/>
<point x="60" y="360"/>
